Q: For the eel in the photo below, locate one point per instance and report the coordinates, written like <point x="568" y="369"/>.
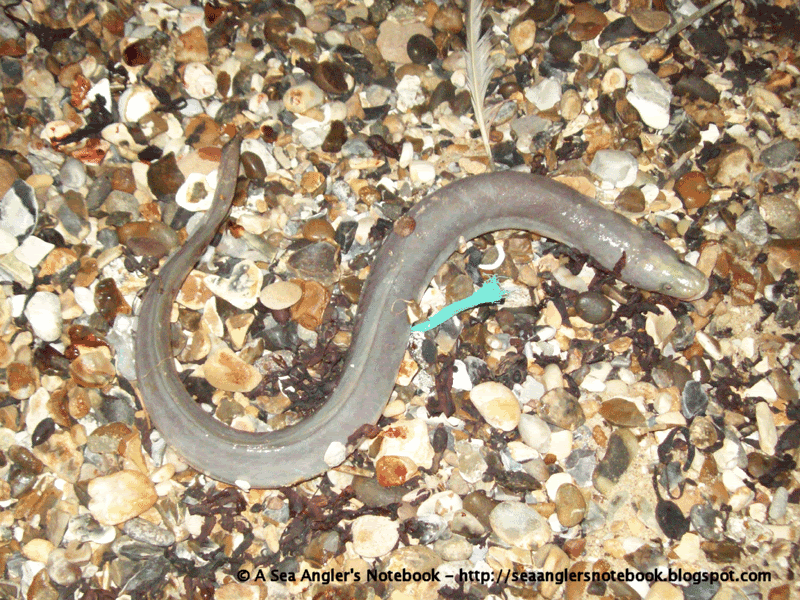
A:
<point x="403" y="268"/>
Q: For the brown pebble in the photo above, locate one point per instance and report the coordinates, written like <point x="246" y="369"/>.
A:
<point x="650" y="21"/>
<point x="253" y="166"/>
<point x="337" y="136"/>
<point x="588" y="22"/>
<point x="392" y="471"/>
<point x="317" y="230"/>
<point x="404" y="226"/>
<point x="109" y="300"/>
<point x="311" y="308"/>
<point x="15" y="100"/>
<point x="136" y="54"/>
<point x="631" y="199"/>
<point x="570" y="505"/>
<point x="148" y="239"/>
<point x="693" y="189"/>
<point x="624" y="413"/>
<point x="448" y="18"/>
<point x="164" y="177"/>
<point x="330" y="77"/>
<point x="313" y="182"/>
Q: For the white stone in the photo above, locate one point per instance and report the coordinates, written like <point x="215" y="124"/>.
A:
<point x="335" y="454"/>
<point x="422" y="172"/>
<point x="199" y="81"/>
<point x="767" y="433"/>
<point x="409" y="439"/>
<point x="196" y="193"/>
<point x="497" y="405"/>
<point x="616" y="168"/>
<point x="651" y="97"/>
<point x="121" y="496"/>
<point x="135" y="102"/>
<point x="534" y="432"/>
<point x="33" y="250"/>
<point x="7" y="242"/>
<point x="44" y="314"/>
<point x="545" y="94"/>
<point x="374" y="536"/>
<point x="520" y="525"/>
<point x="631" y="61"/>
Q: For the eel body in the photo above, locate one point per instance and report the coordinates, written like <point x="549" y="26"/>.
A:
<point x="402" y="270"/>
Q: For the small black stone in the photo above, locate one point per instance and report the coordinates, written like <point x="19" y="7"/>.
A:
<point x="421" y="49"/>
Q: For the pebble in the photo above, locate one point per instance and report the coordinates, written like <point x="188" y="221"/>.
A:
<point x="43" y="312"/>
<point x="519" y="525"/>
<point x="280" y="295"/>
<point x="694" y="400"/>
<point x="621" y="450"/>
<point x="622" y="413"/>
<point x="782" y="214"/>
<point x="522" y="36"/>
<point x="310" y="310"/>
<point x="615" y="167"/>
<point x="241" y="287"/>
<point x="710" y="43"/>
<point x="753" y="227"/>
<point x="421" y="49"/>
<point x="570" y="505"/>
<point x="145" y="238"/>
<point x="693" y="189"/>
<point x="317" y="261"/>
<point x="121" y="496"/>
<point x="563" y="47"/>
<point x="374" y="536"/>
<point x="562" y="409"/>
<point x="779" y="154"/>
<point x="409" y="439"/>
<point x="226" y="371"/>
<point x="199" y="81"/>
<point x="651" y="97"/>
<point x="19" y="211"/>
<point x="302" y="97"/>
<point x="767" y="432"/>
<point x="394" y="470"/>
<point x="650" y="21"/>
<point x="330" y="77"/>
<point x="534" y="432"/>
<point x="631" y="61"/>
<point x="497" y="405"/>
<point x="448" y="19"/>
<point x="545" y="94"/>
<point x="422" y="172"/>
<point x="661" y="590"/>
<point x="734" y="168"/>
<point x="143" y="531"/>
<point x="693" y="85"/>
<point x="593" y="307"/>
<point x="196" y="193"/>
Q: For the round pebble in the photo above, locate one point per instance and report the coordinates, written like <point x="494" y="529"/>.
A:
<point x="593" y="307"/>
<point x="421" y="49"/>
<point x="693" y="189"/>
<point x="280" y="295"/>
<point x="374" y="536"/>
<point x="497" y="405"/>
<point x="570" y="505"/>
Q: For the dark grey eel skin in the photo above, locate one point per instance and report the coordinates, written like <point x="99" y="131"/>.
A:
<point x="402" y="270"/>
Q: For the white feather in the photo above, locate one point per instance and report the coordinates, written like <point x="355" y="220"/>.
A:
<point x="479" y="69"/>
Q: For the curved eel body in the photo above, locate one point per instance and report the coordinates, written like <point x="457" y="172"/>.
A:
<point x="402" y="270"/>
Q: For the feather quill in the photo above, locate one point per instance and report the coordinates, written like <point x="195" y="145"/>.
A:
<point x="479" y="69"/>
